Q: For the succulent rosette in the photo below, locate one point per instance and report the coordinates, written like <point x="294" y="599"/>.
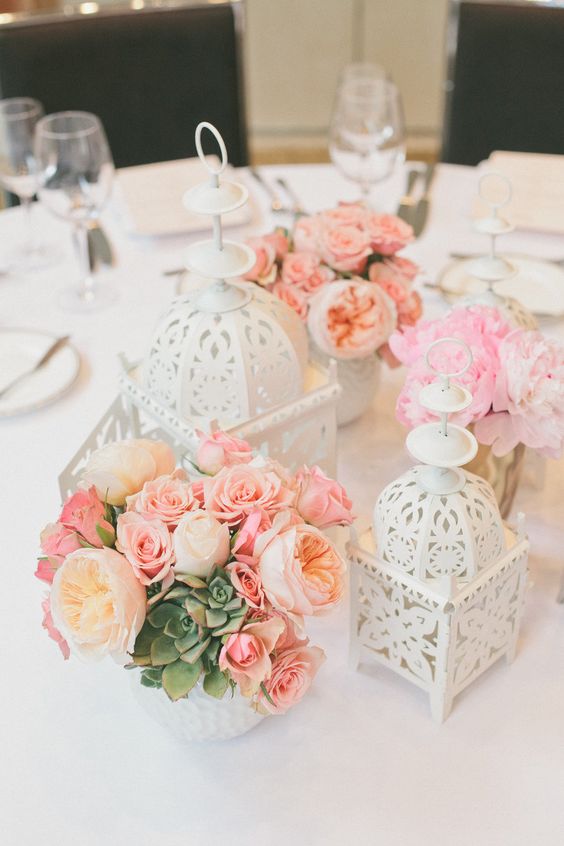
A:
<point x="341" y="273"/>
<point x="196" y="580"/>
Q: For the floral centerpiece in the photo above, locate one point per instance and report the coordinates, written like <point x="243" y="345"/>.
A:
<point x="202" y="580"/>
<point x="516" y="379"/>
<point x="341" y="272"/>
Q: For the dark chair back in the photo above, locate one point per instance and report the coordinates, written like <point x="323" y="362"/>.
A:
<point x="505" y="89"/>
<point x="150" y="75"/>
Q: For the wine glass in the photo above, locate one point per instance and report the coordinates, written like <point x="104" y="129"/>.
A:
<point x="367" y="134"/>
<point x="362" y="71"/>
<point x="18" y="174"/>
<point x="75" y="170"/>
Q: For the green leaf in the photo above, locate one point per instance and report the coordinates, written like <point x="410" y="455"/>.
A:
<point x="107" y="538"/>
<point x="174" y="628"/>
<point x="198" y="614"/>
<point x="163" y="651"/>
<point x="84" y="543"/>
<point x="145" y="638"/>
<point x="233" y="625"/>
<point x="191" y="581"/>
<point x="266" y="695"/>
<point x="216" y="683"/>
<point x="192" y="655"/>
<point x="212" y="650"/>
<point x="178" y="592"/>
<point x="215" y="617"/>
<point x="187" y="641"/>
<point x="142" y="660"/>
<point x="179" y="678"/>
<point x="235" y="603"/>
<point x="153" y="673"/>
<point x="161" y="614"/>
<point x="149" y="683"/>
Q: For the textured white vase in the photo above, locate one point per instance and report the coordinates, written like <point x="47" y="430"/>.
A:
<point x="358" y="378"/>
<point x="199" y="717"/>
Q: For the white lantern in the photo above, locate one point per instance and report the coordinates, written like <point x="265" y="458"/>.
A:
<point x="437" y="591"/>
<point x="230" y="351"/>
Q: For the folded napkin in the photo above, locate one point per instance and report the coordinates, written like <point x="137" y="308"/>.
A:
<point x="20" y="352"/>
<point x="538" y="188"/>
<point x="149" y="197"/>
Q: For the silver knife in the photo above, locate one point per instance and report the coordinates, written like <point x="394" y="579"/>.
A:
<point x="407" y="202"/>
<point x="55" y="347"/>
<point x="99" y="247"/>
<point x="421" y="210"/>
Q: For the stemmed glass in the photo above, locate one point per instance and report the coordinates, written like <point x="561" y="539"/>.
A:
<point x="367" y="134"/>
<point x="75" y="170"/>
<point x="18" y="174"/>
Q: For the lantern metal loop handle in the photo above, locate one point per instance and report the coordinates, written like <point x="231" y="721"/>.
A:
<point x="216" y="134"/>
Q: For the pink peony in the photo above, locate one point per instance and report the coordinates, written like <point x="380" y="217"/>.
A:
<point x="57" y="541"/>
<point x="246" y="654"/>
<point x="166" y="498"/>
<point x="301" y="571"/>
<point x="82" y="513"/>
<point x="293" y="297"/>
<point x="236" y="491"/>
<point x="247" y="583"/>
<point x="306" y="235"/>
<point x="264" y="269"/>
<point x="292" y="674"/>
<point x="51" y="629"/>
<point x="351" y="318"/>
<point x="218" y="449"/>
<point x="386" y="233"/>
<point x="345" y="248"/>
<point x="528" y="400"/>
<point x="147" y="545"/>
<point x="321" y="501"/>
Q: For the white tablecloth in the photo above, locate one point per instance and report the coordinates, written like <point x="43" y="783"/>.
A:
<point x="359" y="760"/>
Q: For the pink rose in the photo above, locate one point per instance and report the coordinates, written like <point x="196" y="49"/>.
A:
<point x="147" y="545"/>
<point x="292" y="674"/>
<point x="247" y="583"/>
<point x="279" y="240"/>
<point x="410" y="310"/>
<point x="236" y="491"/>
<point x="306" y="234"/>
<point x="407" y="268"/>
<point x="264" y="269"/>
<point x="197" y="492"/>
<point x="252" y="527"/>
<point x="387" y="233"/>
<point x="304" y="271"/>
<point x="301" y="571"/>
<point x="218" y="449"/>
<point x="166" y="498"/>
<point x="51" y="629"/>
<point x="82" y="513"/>
<point x="321" y="501"/>
<point x="528" y="399"/>
<point x="351" y="318"/>
<point x="292" y="297"/>
<point x="246" y="654"/>
<point x="393" y="283"/>
<point x="57" y="541"/>
<point x="345" y="214"/>
<point x="345" y="248"/>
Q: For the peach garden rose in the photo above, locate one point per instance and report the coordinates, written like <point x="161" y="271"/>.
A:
<point x="120" y="469"/>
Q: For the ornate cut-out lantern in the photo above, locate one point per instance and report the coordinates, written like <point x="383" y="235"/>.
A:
<point x="437" y="590"/>
<point x="230" y="355"/>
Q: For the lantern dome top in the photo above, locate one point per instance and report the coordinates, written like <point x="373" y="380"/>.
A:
<point x="231" y="350"/>
<point x="437" y="519"/>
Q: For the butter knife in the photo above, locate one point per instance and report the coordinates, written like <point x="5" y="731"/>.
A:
<point x="421" y="210"/>
<point x="99" y="247"/>
<point x="408" y="202"/>
<point x="50" y="352"/>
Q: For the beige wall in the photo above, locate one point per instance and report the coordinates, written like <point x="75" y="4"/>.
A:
<point x="296" y="48"/>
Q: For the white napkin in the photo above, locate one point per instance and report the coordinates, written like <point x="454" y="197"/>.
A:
<point x="149" y="198"/>
<point x="538" y="188"/>
<point x="20" y="352"/>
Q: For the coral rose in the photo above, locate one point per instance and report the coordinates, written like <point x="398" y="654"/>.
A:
<point x="247" y="583"/>
<point x="57" y="541"/>
<point x="246" y="654"/>
<point x="292" y="297"/>
<point x="351" y="318"/>
<point x="292" y="674"/>
<point x="120" y="469"/>
<point x="304" y="271"/>
<point x="236" y="491"/>
<point x="306" y="235"/>
<point x="218" y="449"/>
<point x="387" y="233"/>
<point x="407" y="268"/>
<point x="345" y="248"/>
<point x="264" y="270"/>
<point x="200" y="543"/>
<point x="321" y="501"/>
<point x="166" y="498"/>
<point x="97" y="603"/>
<point x="83" y="512"/>
<point x="147" y="545"/>
<point x="345" y="214"/>
<point x="301" y="571"/>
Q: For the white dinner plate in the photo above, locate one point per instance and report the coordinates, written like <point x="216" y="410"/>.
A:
<point x="47" y="383"/>
<point x="537" y="284"/>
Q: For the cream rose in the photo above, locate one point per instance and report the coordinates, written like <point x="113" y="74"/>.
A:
<point x="200" y="542"/>
<point x="120" y="469"/>
<point x="98" y="604"/>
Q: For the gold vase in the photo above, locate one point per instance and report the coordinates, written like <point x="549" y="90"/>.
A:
<point x="502" y="472"/>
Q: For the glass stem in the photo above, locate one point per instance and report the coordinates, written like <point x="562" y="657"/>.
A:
<point x="29" y="230"/>
<point x="86" y="284"/>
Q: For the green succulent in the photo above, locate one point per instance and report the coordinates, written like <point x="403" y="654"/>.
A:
<point x="183" y="634"/>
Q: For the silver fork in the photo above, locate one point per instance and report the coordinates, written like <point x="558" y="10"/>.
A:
<point x="276" y="204"/>
<point x="297" y="208"/>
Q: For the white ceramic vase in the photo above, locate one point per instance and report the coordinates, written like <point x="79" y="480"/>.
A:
<point x="199" y="717"/>
<point x="358" y="378"/>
